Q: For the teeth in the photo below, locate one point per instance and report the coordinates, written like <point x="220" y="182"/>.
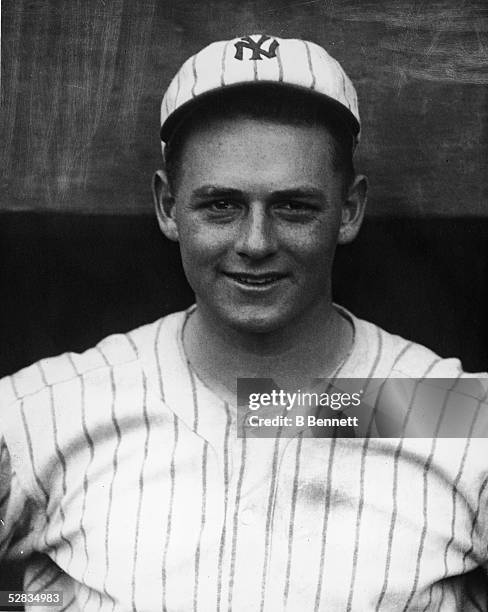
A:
<point x="255" y="281"/>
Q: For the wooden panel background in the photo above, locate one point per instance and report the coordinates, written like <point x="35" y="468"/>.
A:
<point x="82" y="82"/>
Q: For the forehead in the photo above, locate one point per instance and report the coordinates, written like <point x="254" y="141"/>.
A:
<point x="250" y="150"/>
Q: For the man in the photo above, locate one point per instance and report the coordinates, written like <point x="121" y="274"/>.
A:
<point x="124" y="481"/>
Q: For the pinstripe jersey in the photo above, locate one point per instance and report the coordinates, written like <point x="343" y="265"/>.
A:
<point x="124" y="483"/>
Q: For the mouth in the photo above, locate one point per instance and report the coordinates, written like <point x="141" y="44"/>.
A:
<point x="255" y="280"/>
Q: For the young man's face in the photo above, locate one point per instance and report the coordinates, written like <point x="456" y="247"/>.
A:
<point x="257" y="212"/>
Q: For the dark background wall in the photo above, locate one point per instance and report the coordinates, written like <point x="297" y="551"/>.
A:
<point x="69" y="280"/>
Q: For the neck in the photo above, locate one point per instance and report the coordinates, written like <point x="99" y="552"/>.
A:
<point x="310" y="348"/>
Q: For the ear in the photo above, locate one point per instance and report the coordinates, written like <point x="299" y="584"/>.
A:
<point x="353" y="210"/>
<point x="164" y="205"/>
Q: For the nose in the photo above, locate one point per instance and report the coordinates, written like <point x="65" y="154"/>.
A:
<point x="256" y="238"/>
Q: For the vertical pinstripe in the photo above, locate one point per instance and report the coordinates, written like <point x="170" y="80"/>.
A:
<point x="222" y="73"/>
<point x="178" y="85"/>
<point x="116" y="427"/>
<point x="429" y="602"/>
<point x="158" y="363"/>
<point x="455" y="493"/>
<point x="325" y="520"/>
<point x="204" y="480"/>
<point x="33" y="467"/>
<point x="269" y="519"/>
<point x="402" y="353"/>
<point x="91" y="448"/>
<point x="346" y="98"/>
<point x="364" y="454"/>
<point x="294" y="496"/>
<point x="310" y="65"/>
<point x="280" y="65"/>
<point x="235" y="523"/>
<point x="166" y="105"/>
<point x="202" y="525"/>
<point x="223" y="533"/>
<point x="100" y="600"/>
<point x="425" y="492"/>
<point x="31" y="458"/>
<point x="194" y="395"/>
<point x="141" y="488"/>
<point x="61" y="459"/>
<point x="28" y="438"/>
<point x="396" y="458"/>
<point x="170" y="511"/>
<point x="343" y="81"/>
<point x="362" y="473"/>
<point x="195" y="76"/>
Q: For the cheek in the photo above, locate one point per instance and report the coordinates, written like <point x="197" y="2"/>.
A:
<point x="200" y="247"/>
<point x="315" y="243"/>
<point x="192" y="237"/>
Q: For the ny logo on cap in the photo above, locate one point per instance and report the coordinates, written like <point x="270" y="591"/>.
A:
<point x="256" y="48"/>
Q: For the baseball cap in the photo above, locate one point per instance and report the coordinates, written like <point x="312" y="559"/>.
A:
<point x="256" y="60"/>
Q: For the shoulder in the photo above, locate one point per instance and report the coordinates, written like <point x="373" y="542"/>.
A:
<point x="64" y="405"/>
<point x="66" y="368"/>
<point x="91" y="366"/>
<point x="391" y="355"/>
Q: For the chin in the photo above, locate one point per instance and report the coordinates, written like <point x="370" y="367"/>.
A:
<point x="257" y="323"/>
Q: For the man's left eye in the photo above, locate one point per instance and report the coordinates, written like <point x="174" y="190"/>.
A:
<point x="295" y="207"/>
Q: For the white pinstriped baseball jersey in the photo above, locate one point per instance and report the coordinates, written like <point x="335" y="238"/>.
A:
<point x="122" y="475"/>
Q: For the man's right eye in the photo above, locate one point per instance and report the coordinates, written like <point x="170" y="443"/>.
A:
<point x="222" y="206"/>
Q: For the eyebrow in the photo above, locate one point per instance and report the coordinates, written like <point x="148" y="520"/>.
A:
<point x="214" y="190"/>
<point x="300" y="192"/>
<point x="304" y="191"/>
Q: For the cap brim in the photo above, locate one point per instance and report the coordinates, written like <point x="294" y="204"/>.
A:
<point x="181" y="114"/>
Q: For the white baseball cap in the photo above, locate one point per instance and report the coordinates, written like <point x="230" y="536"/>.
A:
<point x="259" y="59"/>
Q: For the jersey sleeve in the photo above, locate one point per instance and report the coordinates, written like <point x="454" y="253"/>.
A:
<point x="6" y="486"/>
<point x="15" y="506"/>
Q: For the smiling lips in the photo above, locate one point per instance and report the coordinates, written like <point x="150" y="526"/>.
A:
<point x="255" y="280"/>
